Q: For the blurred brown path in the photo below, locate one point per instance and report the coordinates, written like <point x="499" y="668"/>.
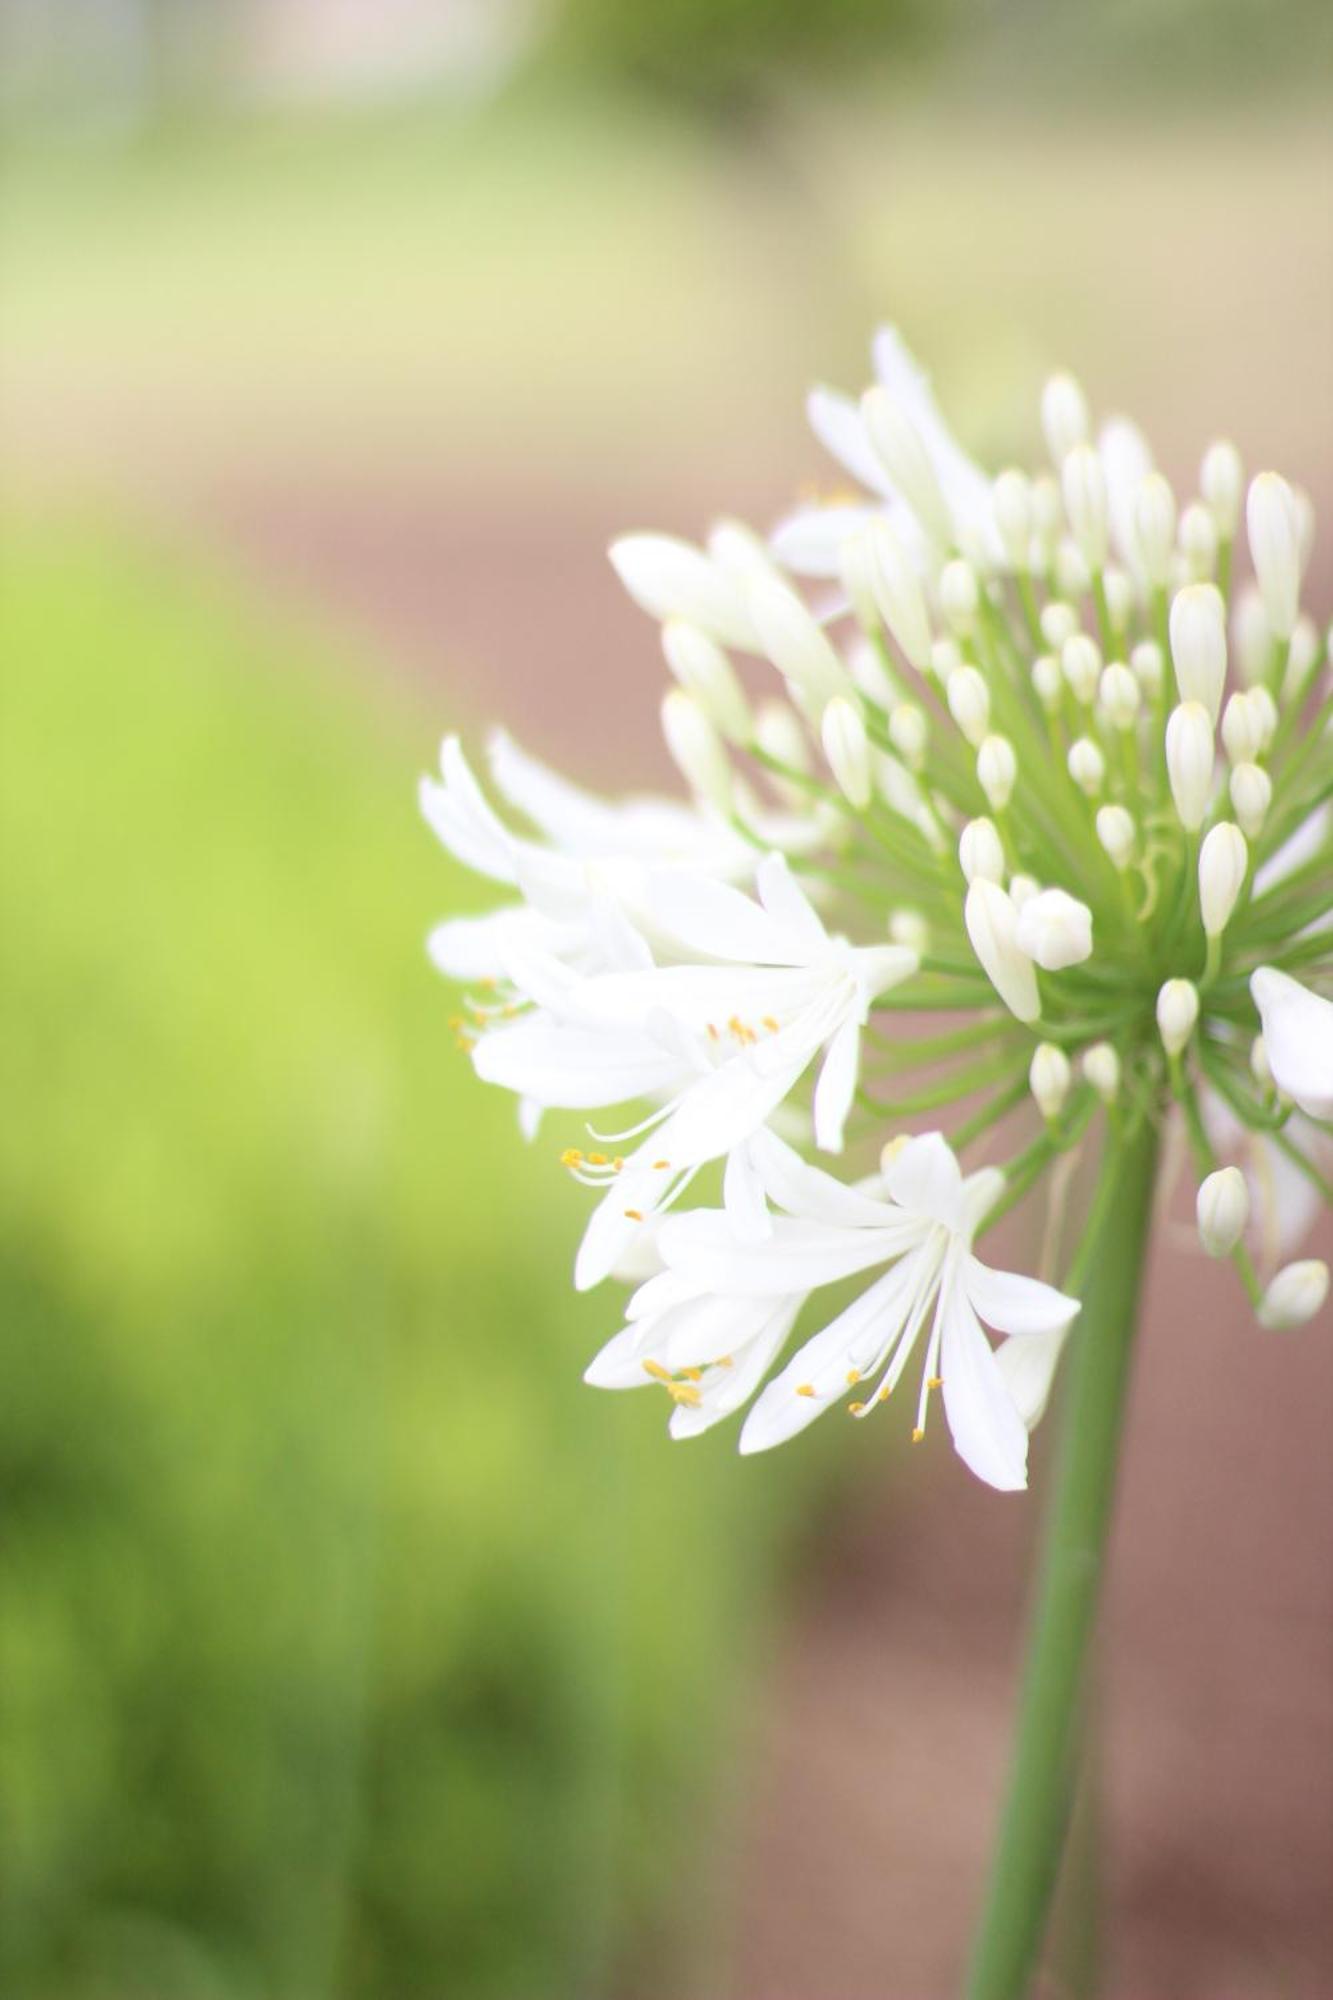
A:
<point x="880" y="1743"/>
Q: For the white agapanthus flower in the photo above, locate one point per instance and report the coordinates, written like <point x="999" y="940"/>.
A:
<point x="1043" y="768"/>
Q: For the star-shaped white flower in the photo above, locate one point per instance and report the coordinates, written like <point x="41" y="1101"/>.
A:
<point x="920" y="1225"/>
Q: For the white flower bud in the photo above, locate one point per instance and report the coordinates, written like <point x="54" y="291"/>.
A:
<point x="1146" y="662"/>
<point x="1223" y="860"/>
<point x="945" y="659"/>
<point x="898" y="446"/>
<point x="865" y="664"/>
<point x="1022" y="888"/>
<point x="669" y="578"/>
<point x="1251" y="795"/>
<point x="909" y="733"/>
<point x="1118" y="587"/>
<point x="969" y="702"/>
<point x="1295" y="1295"/>
<point x="737" y="549"/>
<point x="1242" y="728"/>
<point x="1199" y="645"/>
<point x="1177" y="1012"/>
<point x="992" y="923"/>
<point x="1221" y="482"/>
<point x="1101" y="1067"/>
<point x="1155" y="526"/>
<point x="1049" y="1076"/>
<point x="1087" y="766"/>
<point x="1073" y="578"/>
<point x="1119" y="695"/>
<point x="1013" y="517"/>
<point x="897" y="589"/>
<point x="997" y="768"/>
<point x="1222" y="1208"/>
<point x="1189" y="762"/>
<point x="1083" y="483"/>
<point x="1198" y="542"/>
<point x="1302" y="654"/>
<point x="1081" y="664"/>
<point x="1273" y="525"/>
<point x="909" y="927"/>
<point x="958" y="597"/>
<point x="780" y="736"/>
<point x="697" y="748"/>
<point x="1064" y="416"/>
<point x="1260" y="1068"/>
<point x="843" y="735"/>
<point x="1059" y="621"/>
<point x="701" y="666"/>
<point x="798" y="647"/>
<point x="1116" y="832"/>
<point x="981" y="851"/>
<point x="1251" y="637"/>
<point x="1267" y="708"/>
<point x="1047" y="681"/>
<point x="1055" y="930"/>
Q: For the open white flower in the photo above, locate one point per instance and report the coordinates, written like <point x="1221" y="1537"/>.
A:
<point x="935" y="1293"/>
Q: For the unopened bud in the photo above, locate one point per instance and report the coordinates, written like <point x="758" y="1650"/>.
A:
<point x="1273" y="525"/>
<point x="701" y="666"/>
<point x="958" y="597"/>
<point x="1260" y="1067"/>
<point x="1049" y="1076"/>
<point x="1267" y="709"/>
<point x="1055" y="930"/>
<point x="1116" y="832"/>
<point x="1064" y="416"/>
<point x="1118" y="590"/>
<point x="1013" y="517"/>
<point x="1189" y="762"/>
<point x="1242" y="728"/>
<point x="1222" y="1209"/>
<point x="1251" y="795"/>
<point x="1059" y="621"/>
<point x="898" y="446"/>
<point x="697" y="748"/>
<point x="1048" y="682"/>
<point x="1073" y="577"/>
<point x="1295" y="1295"/>
<point x="909" y="733"/>
<point x="798" y="647"/>
<point x="843" y="735"/>
<point x="898" y="593"/>
<point x="1198" y="542"/>
<point x="945" y="659"/>
<point x="1081" y="664"/>
<point x="1101" y="1067"/>
<point x="1119" y="695"/>
<point x="1177" y="1012"/>
<point x="737" y="549"/>
<point x="1199" y="645"/>
<point x="981" y="851"/>
<point x="1087" y="766"/>
<point x="909" y="927"/>
<point x="1022" y="888"/>
<point x="780" y="736"/>
<point x="992" y="924"/>
<point x="1302" y="654"/>
<point x="969" y="703"/>
<point x="1251" y="635"/>
<point x="1223" y="860"/>
<point x="997" y="768"/>
<point x="1221" y="482"/>
<point x="1083" y="484"/>
<point x="865" y="664"/>
<point x="1155" y="526"/>
<point x="669" y="578"/>
<point x="1146" y="663"/>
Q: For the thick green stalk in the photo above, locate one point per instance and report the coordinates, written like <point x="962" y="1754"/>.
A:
<point x="1036" y="1815"/>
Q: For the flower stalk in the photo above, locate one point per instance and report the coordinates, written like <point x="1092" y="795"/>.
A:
<point x="1036" y="1816"/>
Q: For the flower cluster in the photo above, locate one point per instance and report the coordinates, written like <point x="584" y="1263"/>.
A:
<point x="1018" y="752"/>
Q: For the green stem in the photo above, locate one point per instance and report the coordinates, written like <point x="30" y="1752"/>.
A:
<point x="1036" y="1816"/>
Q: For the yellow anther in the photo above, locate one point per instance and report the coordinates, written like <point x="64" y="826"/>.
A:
<point x="456" y="1022"/>
<point x="855" y="1409"/>
<point x="853" y="1377"/>
<point x="660" y="1166"/>
<point x="806" y="1389"/>
<point x="466" y="1043"/>
<point x="884" y="1394"/>
<point x="712" y="1031"/>
<point x="617" y="1166"/>
<point x="682" y="1392"/>
<point x="634" y="1215"/>
<point x="657" y="1371"/>
<point x="571" y="1157"/>
<point x="598" y="1160"/>
<point x="735" y="1027"/>
<point x="892" y="1150"/>
<point x="725" y="1361"/>
<point x="917" y="1436"/>
<point x="514" y="1007"/>
<point x="693" y="1374"/>
<point x="935" y="1382"/>
<point x="770" y="1024"/>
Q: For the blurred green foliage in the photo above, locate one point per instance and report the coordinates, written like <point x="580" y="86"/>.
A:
<point x="347" y="1643"/>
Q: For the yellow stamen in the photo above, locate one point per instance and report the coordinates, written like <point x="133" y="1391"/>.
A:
<point x="770" y="1024"/>
<point x="634" y="1215"/>
<point x="598" y="1160"/>
<point x="660" y="1166"/>
<point x="806" y="1389"/>
<point x="853" y="1377"/>
<point x="935" y="1382"/>
<point x="884" y="1394"/>
<point x="693" y="1374"/>
<point x="725" y="1361"/>
<point x="855" y="1409"/>
<point x="681" y="1392"/>
<point x="657" y="1371"/>
<point x="571" y="1157"/>
<point x="917" y="1436"/>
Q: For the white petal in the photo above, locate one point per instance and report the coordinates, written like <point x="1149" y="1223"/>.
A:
<point x="743" y="1197"/>
<point x="715" y="920"/>
<point x="810" y="540"/>
<point x="668" y="578"/>
<point x="799" y="1256"/>
<point x="788" y="905"/>
<point x="988" y="1432"/>
<point x="853" y="1342"/>
<point x="836" y="1087"/>
<point x="577" y="1069"/>
<point x="460" y="817"/>
<point x="1028" y="1368"/>
<point x="1126" y="462"/>
<point x="966" y="488"/>
<point x="1298" y="1035"/>
<point x="1012" y="1303"/>
<point x="838" y="424"/>
<point x="925" y="1179"/>
<point x="725" y="1389"/>
<point x="808" y="1191"/>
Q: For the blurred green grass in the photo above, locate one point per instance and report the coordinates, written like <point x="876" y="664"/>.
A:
<point x="347" y="1644"/>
